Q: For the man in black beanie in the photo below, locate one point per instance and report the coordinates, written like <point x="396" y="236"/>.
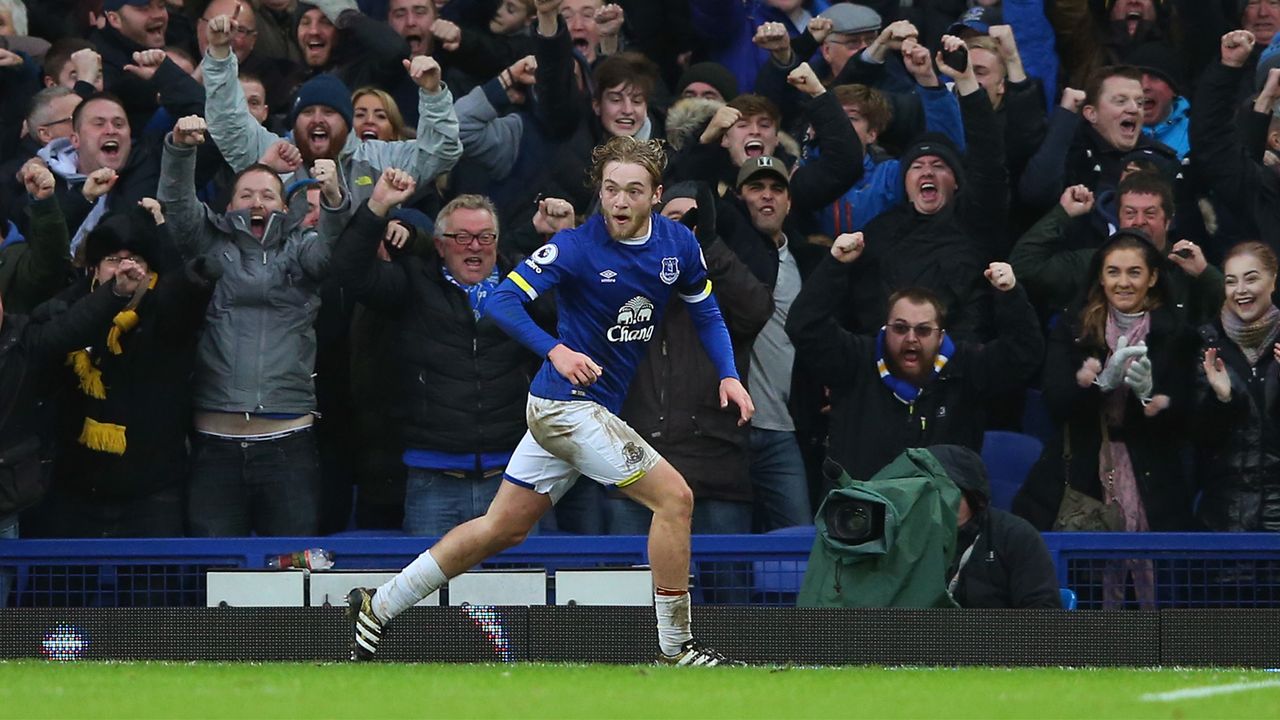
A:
<point x="951" y="225"/>
<point x="708" y="80"/>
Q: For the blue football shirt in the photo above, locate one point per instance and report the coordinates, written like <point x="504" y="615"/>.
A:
<point x="610" y="297"/>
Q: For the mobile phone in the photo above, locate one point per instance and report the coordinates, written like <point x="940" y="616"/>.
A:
<point x="958" y="58"/>
<point x="1184" y="253"/>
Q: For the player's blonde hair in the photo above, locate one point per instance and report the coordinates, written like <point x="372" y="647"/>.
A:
<point x="648" y="154"/>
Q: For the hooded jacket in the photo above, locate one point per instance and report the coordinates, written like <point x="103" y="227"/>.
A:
<point x="258" y="348"/>
<point x="1009" y="566"/>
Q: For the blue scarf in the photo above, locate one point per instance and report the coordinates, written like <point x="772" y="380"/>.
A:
<point x="479" y="293"/>
<point x="903" y="390"/>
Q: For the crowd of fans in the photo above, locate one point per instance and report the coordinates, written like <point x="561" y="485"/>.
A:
<point x="247" y="246"/>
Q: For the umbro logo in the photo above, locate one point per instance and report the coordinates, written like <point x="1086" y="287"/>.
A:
<point x="608" y="276"/>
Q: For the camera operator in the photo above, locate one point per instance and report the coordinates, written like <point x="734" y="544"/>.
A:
<point x="1000" y="559"/>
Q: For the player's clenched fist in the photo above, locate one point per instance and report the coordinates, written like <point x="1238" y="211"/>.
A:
<point x="189" y="131"/>
<point x="574" y="366"/>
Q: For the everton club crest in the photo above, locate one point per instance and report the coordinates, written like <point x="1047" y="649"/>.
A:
<point x="670" y="270"/>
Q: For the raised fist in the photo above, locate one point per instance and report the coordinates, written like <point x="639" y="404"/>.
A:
<point x="88" y="65"/>
<point x="609" y="20"/>
<point x="805" y="80"/>
<point x="189" y="131"/>
<point x="1077" y="200"/>
<point x="283" y="157"/>
<point x="424" y="70"/>
<point x="820" y="28"/>
<point x="1072" y="99"/>
<point x="394" y="187"/>
<point x="1237" y="45"/>
<point x="152" y="206"/>
<point x="1003" y="35"/>
<point x="725" y="118"/>
<point x="848" y="247"/>
<point x="448" y="33"/>
<point x="1000" y="275"/>
<point x="98" y="183"/>
<point x="146" y="62"/>
<point x="772" y="37"/>
<point x="325" y="171"/>
<point x="38" y="179"/>
<point x="554" y="215"/>
<point x="524" y="71"/>
<point x="917" y="61"/>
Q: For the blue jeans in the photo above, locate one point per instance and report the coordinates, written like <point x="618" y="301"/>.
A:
<point x="624" y="516"/>
<point x="270" y="487"/>
<point x="720" y="582"/>
<point x="778" y="478"/>
<point x="8" y="531"/>
<point x="436" y="501"/>
<point x="580" y="512"/>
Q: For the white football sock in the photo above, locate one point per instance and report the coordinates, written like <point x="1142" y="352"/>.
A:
<point x="421" y="578"/>
<point x="673" y="621"/>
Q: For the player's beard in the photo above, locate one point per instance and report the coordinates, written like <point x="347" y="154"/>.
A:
<point x="628" y="229"/>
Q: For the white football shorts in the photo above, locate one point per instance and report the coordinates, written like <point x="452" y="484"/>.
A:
<point x="568" y="438"/>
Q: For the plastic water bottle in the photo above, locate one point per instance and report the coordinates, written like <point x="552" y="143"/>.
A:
<point x="312" y="559"/>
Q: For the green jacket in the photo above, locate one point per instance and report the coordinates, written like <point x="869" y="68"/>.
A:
<point x="1055" y="275"/>
<point x="37" y="269"/>
<point x="907" y="567"/>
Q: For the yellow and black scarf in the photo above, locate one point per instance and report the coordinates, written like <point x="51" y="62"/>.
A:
<point x="102" y="435"/>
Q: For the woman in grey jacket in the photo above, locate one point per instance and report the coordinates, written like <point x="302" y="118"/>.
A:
<point x="255" y="466"/>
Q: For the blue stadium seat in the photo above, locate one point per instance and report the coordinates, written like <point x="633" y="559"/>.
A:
<point x="1035" y="417"/>
<point x="1068" y="598"/>
<point x="1008" y="457"/>
<point x="778" y="581"/>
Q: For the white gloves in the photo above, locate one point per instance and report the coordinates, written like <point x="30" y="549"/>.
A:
<point x="1138" y="378"/>
<point x="1114" y="371"/>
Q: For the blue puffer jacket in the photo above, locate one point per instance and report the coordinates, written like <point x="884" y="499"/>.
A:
<point x="726" y="27"/>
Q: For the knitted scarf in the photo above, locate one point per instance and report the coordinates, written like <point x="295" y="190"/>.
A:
<point x="95" y="434"/>
<point x="903" y="390"/>
<point x="479" y="293"/>
<point x="1253" y="338"/>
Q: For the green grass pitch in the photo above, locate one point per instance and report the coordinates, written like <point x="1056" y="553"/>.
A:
<point x="37" y="689"/>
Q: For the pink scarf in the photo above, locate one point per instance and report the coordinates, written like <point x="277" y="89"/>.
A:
<point x="1122" y="485"/>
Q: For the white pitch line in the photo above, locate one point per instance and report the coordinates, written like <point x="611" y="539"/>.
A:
<point x="1208" y="691"/>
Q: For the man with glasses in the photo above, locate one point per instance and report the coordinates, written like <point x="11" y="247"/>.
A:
<point x="910" y="385"/>
<point x="462" y="381"/>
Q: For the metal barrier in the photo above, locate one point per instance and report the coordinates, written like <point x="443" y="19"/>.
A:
<point x="1187" y="570"/>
